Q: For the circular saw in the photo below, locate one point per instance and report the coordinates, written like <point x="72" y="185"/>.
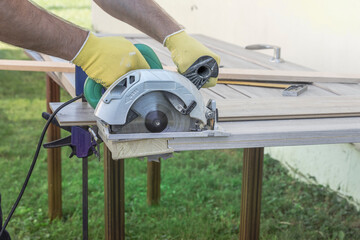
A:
<point x="154" y="101"/>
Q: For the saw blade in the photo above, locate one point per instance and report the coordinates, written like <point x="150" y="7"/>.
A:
<point x="155" y="114"/>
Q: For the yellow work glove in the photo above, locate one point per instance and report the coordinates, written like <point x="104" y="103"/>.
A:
<point x="185" y="50"/>
<point x="105" y="59"/>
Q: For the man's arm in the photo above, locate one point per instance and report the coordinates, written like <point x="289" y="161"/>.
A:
<point x="103" y="59"/>
<point x="25" y="25"/>
<point x="150" y="18"/>
<point x="145" y="15"/>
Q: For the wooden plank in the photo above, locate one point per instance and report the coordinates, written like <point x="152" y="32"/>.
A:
<point x="287" y="76"/>
<point x="243" y="109"/>
<point x="254" y="57"/>
<point x="288" y="108"/>
<point x="37" y="66"/>
<point x="227" y="60"/>
<point x="265" y="133"/>
<point x="165" y="58"/>
<point x="75" y="114"/>
<point x="54" y="156"/>
<point x="251" y="193"/>
<point x="282" y="76"/>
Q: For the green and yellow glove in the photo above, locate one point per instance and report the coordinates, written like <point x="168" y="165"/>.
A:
<point x="105" y="59"/>
<point x="185" y="50"/>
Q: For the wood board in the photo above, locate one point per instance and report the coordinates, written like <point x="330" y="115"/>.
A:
<point x="244" y="109"/>
<point x="288" y="108"/>
<point x="37" y="66"/>
<point x="262" y="133"/>
<point x="265" y="133"/>
<point x="282" y="76"/>
<point x="250" y="56"/>
<point x="286" y="76"/>
<point x="75" y="114"/>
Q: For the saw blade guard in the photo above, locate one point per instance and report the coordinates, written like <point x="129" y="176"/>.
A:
<point x="153" y="113"/>
<point x="116" y="103"/>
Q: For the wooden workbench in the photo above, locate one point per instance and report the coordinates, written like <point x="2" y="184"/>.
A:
<point x="249" y="134"/>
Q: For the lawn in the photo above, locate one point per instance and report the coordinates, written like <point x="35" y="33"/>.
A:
<point x="200" y="190"/>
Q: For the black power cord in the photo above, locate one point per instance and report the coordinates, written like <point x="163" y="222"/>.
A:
<point x="34" y="160"/>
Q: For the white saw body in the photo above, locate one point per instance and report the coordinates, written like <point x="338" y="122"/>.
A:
<point x="154" y="104"/>
<point x="154" y="101"/>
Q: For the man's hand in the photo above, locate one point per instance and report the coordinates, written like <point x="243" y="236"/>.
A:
<point x="105" y="59"/>
<point x="185" y="50"/>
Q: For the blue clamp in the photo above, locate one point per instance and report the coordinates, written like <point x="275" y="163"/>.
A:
<point x="81" y="141"/>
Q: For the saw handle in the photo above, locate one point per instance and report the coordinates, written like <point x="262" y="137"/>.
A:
<point x="93" y="90"/>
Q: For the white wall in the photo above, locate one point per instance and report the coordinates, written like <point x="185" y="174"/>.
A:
<point x="336" y="166"/>
<point x="320" y="34"/>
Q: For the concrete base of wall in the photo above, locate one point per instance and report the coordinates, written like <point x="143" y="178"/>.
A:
<point x="336" y="166"/>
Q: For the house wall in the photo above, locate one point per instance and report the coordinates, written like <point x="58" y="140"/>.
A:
<point x="323" y="35"/>
<point x="336" y="166"/>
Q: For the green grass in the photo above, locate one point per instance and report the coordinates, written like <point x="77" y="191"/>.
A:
<point x="200" y="190"/>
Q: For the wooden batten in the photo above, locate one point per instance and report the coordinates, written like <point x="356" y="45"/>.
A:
<point x="37" y="66"/>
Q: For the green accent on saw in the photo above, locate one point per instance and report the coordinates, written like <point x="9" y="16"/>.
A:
<point x="93" y="90"/>
<point x="149" y="55"/>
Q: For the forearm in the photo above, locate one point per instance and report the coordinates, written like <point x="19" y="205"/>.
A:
<point x="25" y="25"/>
<point x="145" y="15"/>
